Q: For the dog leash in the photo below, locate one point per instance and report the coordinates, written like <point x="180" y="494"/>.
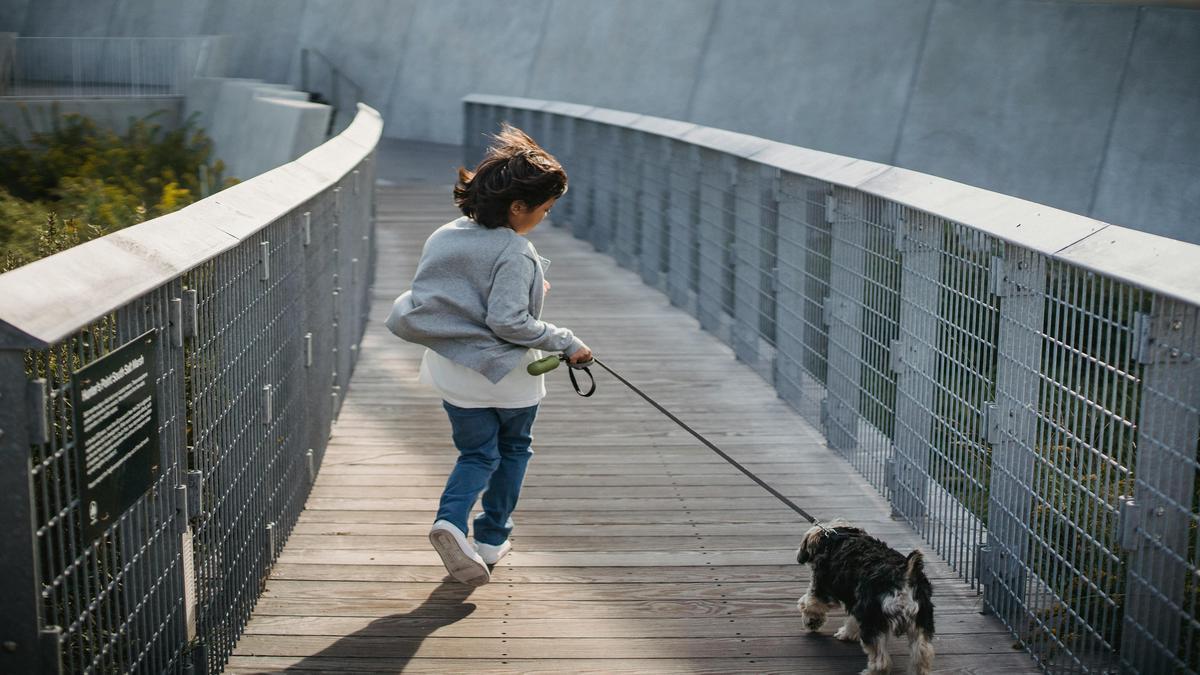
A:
<point x="545" y="365"/>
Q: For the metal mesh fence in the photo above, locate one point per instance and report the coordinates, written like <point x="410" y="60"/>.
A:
<point x="1037" y="421"/>
<point x="253" y="348"/>
<point x="122" y="67"/>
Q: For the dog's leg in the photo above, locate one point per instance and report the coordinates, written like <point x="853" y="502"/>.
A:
<point x="814" y="610"/>
<point x="920" y="651"/>
<point x="848" y="631"/>
<point x="878" y="660"/>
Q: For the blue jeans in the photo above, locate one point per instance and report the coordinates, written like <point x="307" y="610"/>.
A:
<point x="493" y="449"/>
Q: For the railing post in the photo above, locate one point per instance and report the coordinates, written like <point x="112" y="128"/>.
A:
<point x="683" y="222"/>
<point x="20" y="604"/>
<point x="717" y="176"/>
<point x="1019" y="279"/>
<point x="563" y="130"/>
<point x="913" y="358"/>
<point x="655" y="244"/>
<point x="755" y="228"/>
<point x="604" y="187"/>
<point x="1165" y="478"/>
<point x="583" y="208"/>
<point x="843" y="310"/>
<point x="793" y="383"/>
<point x="626" y="182"/>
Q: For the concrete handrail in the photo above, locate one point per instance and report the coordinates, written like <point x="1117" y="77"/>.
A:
<point x="47" y="300"/>
<point x="1152" y="262"/>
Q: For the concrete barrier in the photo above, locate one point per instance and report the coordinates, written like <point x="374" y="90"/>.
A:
<point x="24" y="117"/>
<point x="254" y="125"/>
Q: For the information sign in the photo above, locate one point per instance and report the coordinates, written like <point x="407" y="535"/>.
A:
<point x="116" y="431"/>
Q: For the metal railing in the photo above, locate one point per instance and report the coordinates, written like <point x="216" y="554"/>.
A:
<point x="73" y="67"/>
<point x="326" y="83"/>
<point x="1022" y="383"/>
<point x="252" y="303"/>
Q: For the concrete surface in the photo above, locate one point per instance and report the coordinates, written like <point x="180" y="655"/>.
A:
<point x="1018" y="97"/>
<point x="1085" y="106"/>
<point x="23" y="116"/>
<point x="277" y="130"/>
<point x="254" y="125"/>
<point x="1151" y="180"/>
<point x="808" y="77"/>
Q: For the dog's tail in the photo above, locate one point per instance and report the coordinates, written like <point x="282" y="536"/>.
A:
<point x="914" y="577"/>
<point x="914" y="566"/>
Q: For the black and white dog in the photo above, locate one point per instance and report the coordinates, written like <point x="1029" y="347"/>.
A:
<point x="883" y="592"/>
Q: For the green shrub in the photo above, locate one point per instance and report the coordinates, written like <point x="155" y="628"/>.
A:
<point x="78" y="181"/>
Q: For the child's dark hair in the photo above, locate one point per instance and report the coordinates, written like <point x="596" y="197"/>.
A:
<point x="514" y="169"/>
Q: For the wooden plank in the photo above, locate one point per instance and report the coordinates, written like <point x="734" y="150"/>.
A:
<point x="556" y="625"/>
<point x="816" y="665"/>
<point x="503" y="591"/>
<point x="797" y="645"/>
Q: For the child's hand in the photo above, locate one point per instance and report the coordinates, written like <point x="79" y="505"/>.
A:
<point x="581" y="356"/>
<point x="545" y="286"/>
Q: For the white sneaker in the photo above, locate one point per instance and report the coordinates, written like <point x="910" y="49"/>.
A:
<point x="461" y="561"/>
<point x="492" y="554"/>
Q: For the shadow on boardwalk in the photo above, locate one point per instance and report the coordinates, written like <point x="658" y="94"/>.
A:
<point x="398" y="637"/>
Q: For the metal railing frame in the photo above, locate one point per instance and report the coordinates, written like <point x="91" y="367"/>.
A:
<point x="343" y="90"/>
<point x="1022" y="383"/>
<point x="107" y="67"/>
<point x="258" y="296"/>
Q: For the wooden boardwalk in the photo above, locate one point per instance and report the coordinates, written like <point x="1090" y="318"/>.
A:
<point x="636" y="548"/>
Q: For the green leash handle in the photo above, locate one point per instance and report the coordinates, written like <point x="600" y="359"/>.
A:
<point x="549" y="363"/>
<point x="544" y="364"/>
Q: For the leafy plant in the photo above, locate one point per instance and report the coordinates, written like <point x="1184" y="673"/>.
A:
<point x="78" y="181"/>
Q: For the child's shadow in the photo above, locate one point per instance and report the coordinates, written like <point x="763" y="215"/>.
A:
<point x="391" y="641"/>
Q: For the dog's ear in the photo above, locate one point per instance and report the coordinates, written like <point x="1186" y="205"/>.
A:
<point x="808" y="546"/>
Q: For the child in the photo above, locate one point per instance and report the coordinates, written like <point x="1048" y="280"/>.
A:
<point x="475" y="303"/>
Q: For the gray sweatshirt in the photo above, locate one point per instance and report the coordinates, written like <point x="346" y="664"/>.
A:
<point x="476" y="299"/>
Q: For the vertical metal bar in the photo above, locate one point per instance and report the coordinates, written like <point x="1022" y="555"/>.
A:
<point x="793" y="383"/>
<point x="625" y="183"/>
<point x="753" y="217"/>
<point x="844" y="316"/>
<point x="19" y="597"/>
<point x="684" y="183"/>
<point x="1019" y="278"/>
<point x="920" y="294"/>
<point x="653" y="188"/>
<point x="604" y="192"/>
<point x="716" y="184"/>
<point x="1159" y="569"/>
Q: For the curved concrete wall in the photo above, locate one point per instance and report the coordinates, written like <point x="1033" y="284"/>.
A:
<point x="1089" y="107"/>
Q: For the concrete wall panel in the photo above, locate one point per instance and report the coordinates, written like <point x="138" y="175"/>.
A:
<point x="154" y="18"/>
<point x="24" y="117"/>
<point x="829" y="76"/>
<point x="1017" y="96"/>
<point x="12" y="15"/>
<point x="455" y="48"/>
<point x="68" y="17"/>
<point x="363" y="38"/>
<point x="266" y="35"/>
<point x="276" y="131"/>
<point x="1151" y="175"/>
<point x="627" y="55"/>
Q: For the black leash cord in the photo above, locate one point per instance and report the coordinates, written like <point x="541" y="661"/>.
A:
<point x="790" y="504"/>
